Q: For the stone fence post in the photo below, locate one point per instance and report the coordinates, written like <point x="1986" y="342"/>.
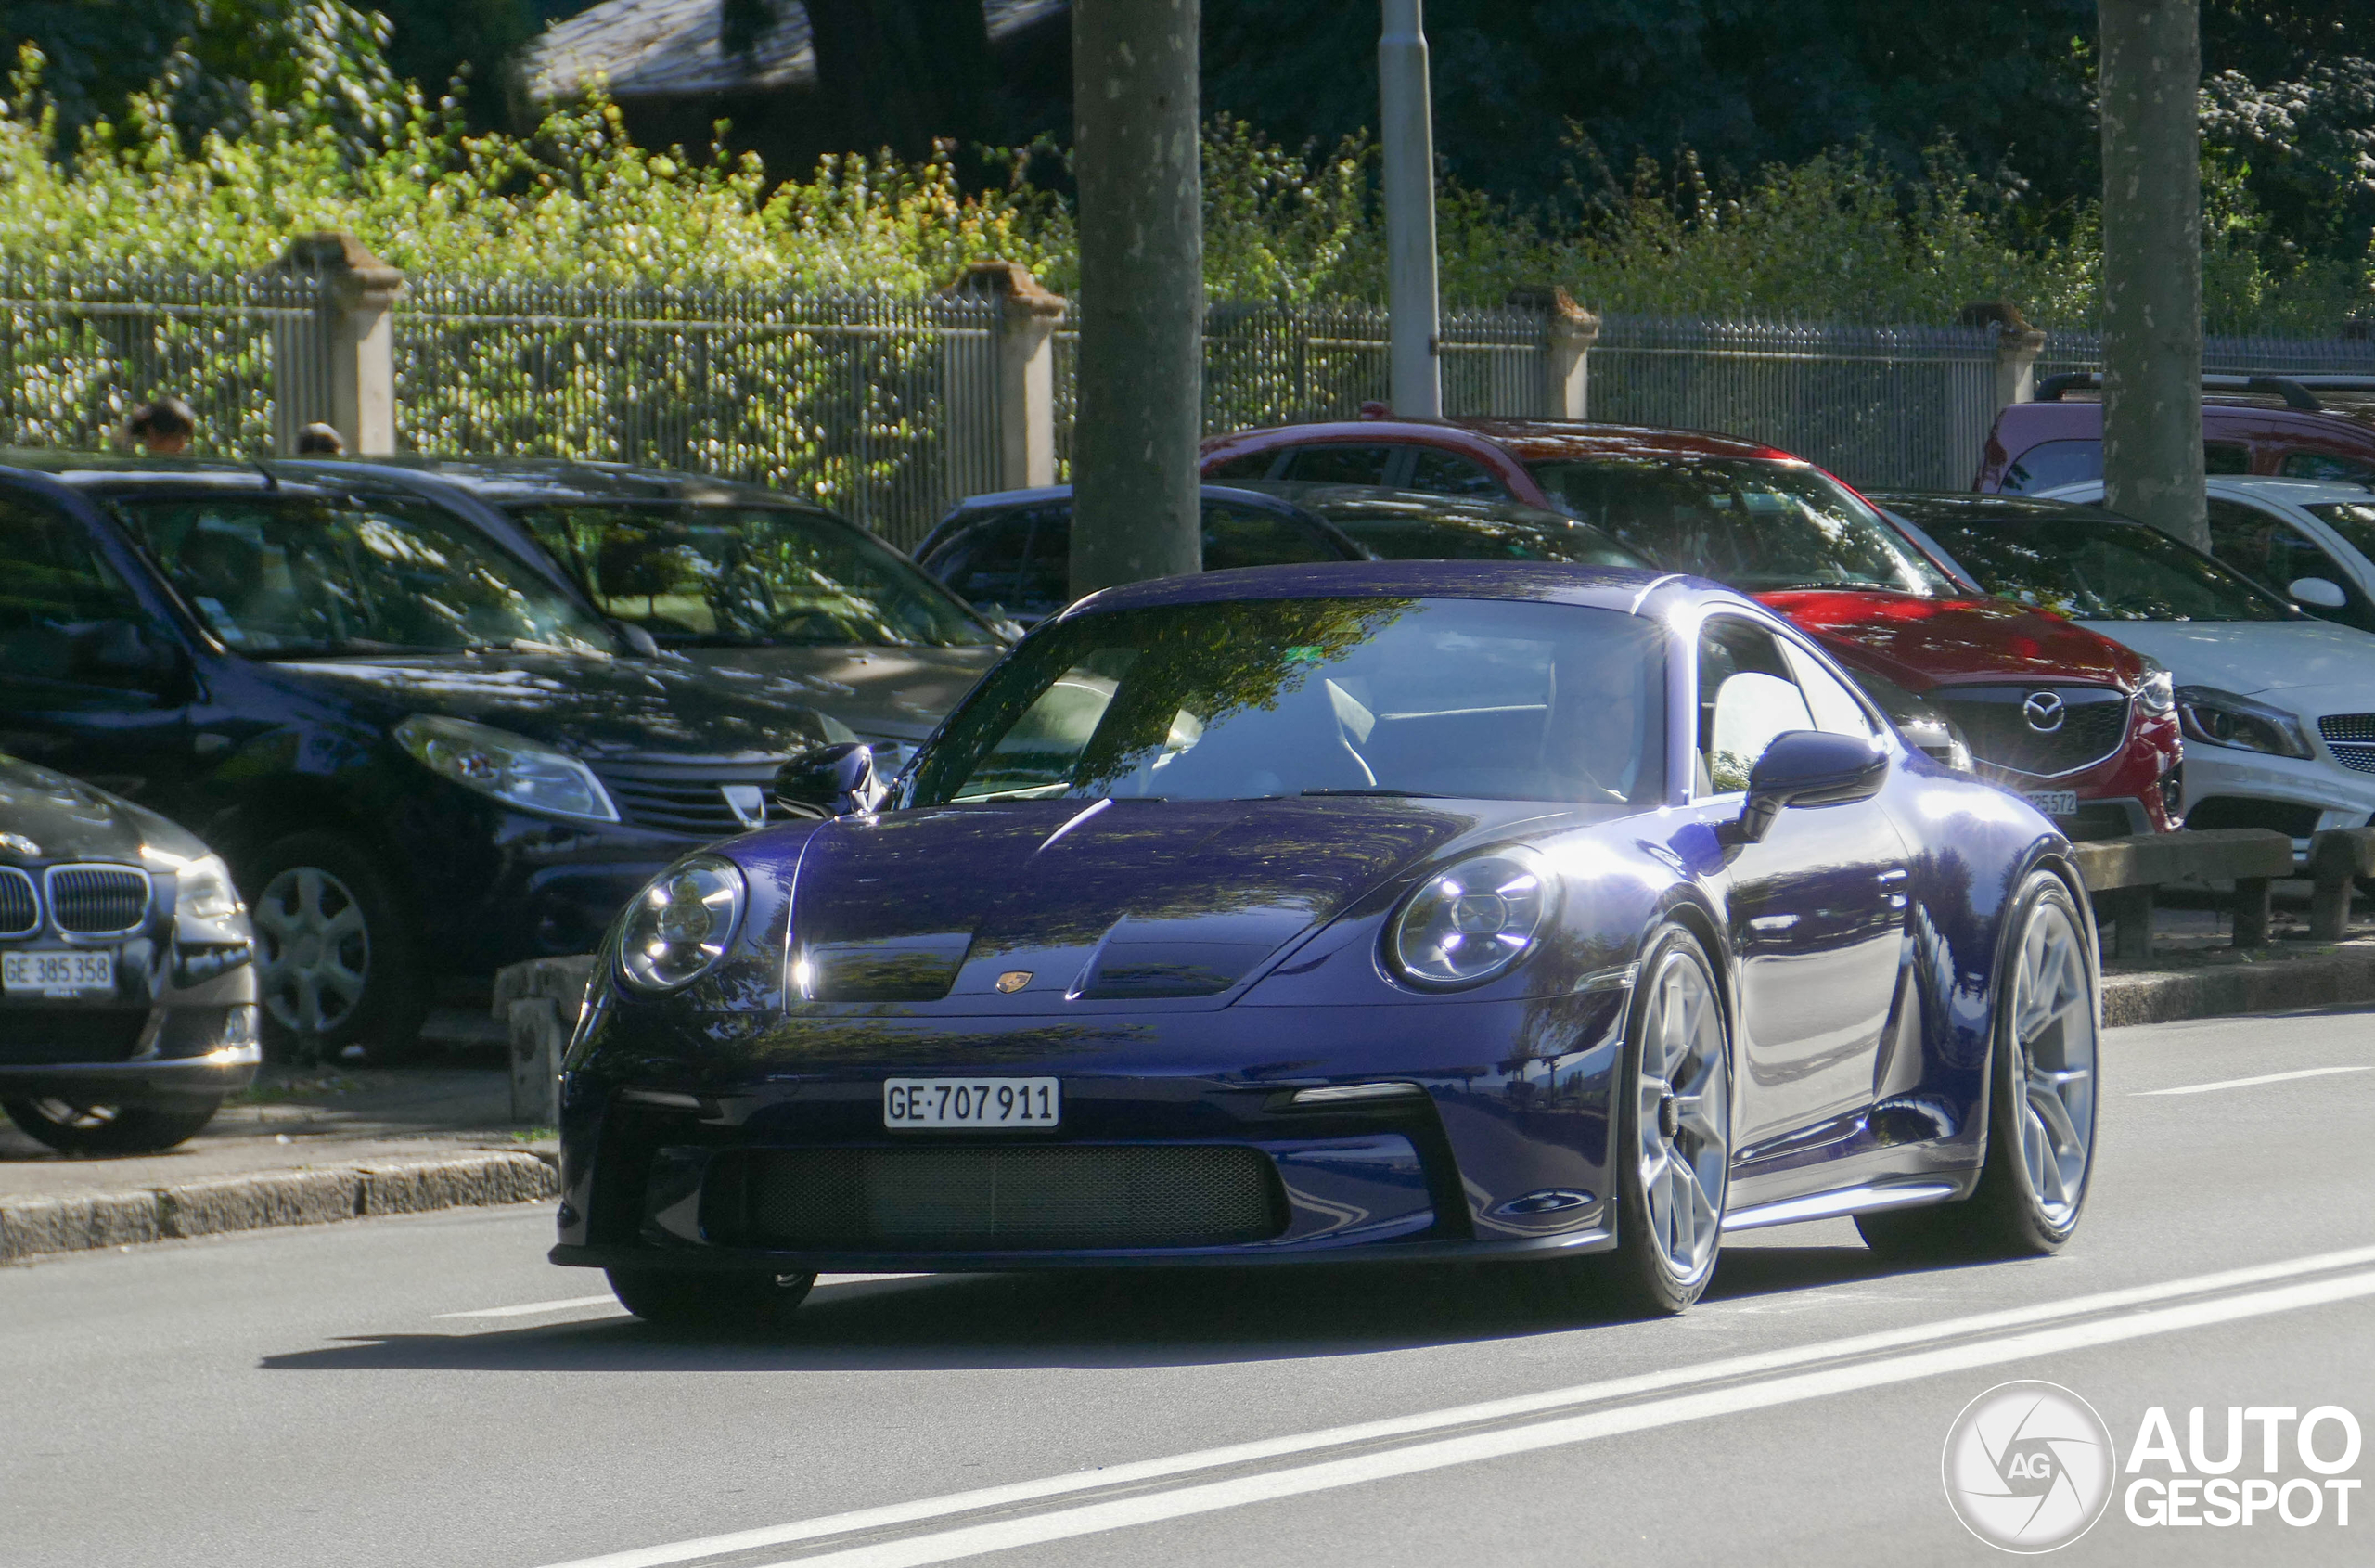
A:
<point x="1026" y="368"/>
<point x="2017" y="347"/>
<point x="1566" y="380"/>
<point x="339" y="369"/>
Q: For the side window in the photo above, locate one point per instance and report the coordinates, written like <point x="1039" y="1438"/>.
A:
<point x="1339" y="463"/>
<point x="999" y="565"/>
<point x="2327" y="466"/>
<point x="2226" y="457"/>
<point x="1242" y="537"/>
<point x="2269" y="551"/>
<point x="65" y="614"/>
<point x="1447" y="473"/>
<point x="1251" y="465"/>
<point x="1834" y="706"/>
<point x="1747" y="696"/>
<point x="2051" y="464"/>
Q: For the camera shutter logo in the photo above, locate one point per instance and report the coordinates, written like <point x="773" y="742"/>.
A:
<point x="2043" y="711"/>
<point x="2029" y="1467"/>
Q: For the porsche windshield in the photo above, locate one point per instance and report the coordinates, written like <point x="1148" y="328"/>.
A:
<point x="1264" y="699"/>
<point x="741" y="576"/>
<point x="291" y="576"/>
<point x="1757" y="526"/>
<point x="2103" y="569"/>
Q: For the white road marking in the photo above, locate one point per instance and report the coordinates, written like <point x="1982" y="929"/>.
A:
<point x="532" y="1309"/>
<point x="2247" y="1082"/>
<point x="1523" y="1405"/>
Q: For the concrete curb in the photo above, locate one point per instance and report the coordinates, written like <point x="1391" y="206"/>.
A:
<point x="83" y="1222"/>
<point x="2267" y="985"/>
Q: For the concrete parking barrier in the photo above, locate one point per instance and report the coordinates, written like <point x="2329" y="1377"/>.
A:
<point x="2123" y="873"/>
<point x="538" y="1002"/>
<point x="2338" y="858"/>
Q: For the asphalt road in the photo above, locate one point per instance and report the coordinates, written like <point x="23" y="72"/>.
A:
<point x="427" y="1392"/>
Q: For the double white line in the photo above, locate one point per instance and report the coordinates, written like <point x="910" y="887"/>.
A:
<point x="1501" y="1427"/>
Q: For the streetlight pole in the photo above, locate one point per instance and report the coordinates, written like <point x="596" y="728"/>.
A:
<point x="1406" y="115"/>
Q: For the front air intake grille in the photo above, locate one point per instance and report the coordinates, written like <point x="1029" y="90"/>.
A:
<point x="2351" y="737"/>
<point x="97" y="900"/>
<point x="1007" y="1199"/>
<point x="2065" y="730"/>
<point x="60" y="1035"/>
<point x="689" y="798"/>
<point x="19" y="910"/>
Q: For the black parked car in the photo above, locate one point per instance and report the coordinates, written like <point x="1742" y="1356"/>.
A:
<point x="127" y="990"/>
<point x="1420" y="525"/>
<point x="729" y="575"/>
<point x="1010" y="552"/>
<point x="422" y="755"/>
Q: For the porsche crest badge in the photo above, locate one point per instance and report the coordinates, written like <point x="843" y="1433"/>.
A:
<point x="1014" y="979"/>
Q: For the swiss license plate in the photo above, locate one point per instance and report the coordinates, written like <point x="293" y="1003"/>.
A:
<point x="2054" y="802"/>
<point x="74" y="974"/>
<point x="972" y="1104"/>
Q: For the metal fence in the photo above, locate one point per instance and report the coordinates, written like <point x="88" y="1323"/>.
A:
<point x="2228" y="356"/>
<point x="858" y="400"/>
<point x="79" y="350"/>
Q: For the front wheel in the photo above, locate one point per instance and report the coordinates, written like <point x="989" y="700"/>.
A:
<point x="337" y="963"/>
<point x="667" y="1299"/>
<point x="1674" y="1131"/>
<point x="2041" y="1091"/>
<point x="74" y="1127"/>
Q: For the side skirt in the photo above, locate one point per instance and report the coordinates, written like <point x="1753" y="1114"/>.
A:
<point x="1846" y="1201"/>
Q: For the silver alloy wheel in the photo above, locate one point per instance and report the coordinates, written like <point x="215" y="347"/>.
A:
<point x="2053" y="1060"/>
<point x="1683" y="1116"/>
<point x="82" y="1118"/>
<point x="314" y="955"/>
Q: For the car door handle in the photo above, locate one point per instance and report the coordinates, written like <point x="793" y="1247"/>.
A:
<point x="1893" y="880"/>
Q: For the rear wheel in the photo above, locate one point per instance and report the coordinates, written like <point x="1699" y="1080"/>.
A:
<point x="715" y="1302"/>
<point x="2041" y="1091"/>
<point x="336" y="961"/>
<point x="74" y="1127"/>
<point x="1673" y="1129"/>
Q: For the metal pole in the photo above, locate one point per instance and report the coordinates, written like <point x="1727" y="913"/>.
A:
<point x="1137" y="160"/>
<point x="2150" y="76"/>
<point x="1405" y="128"/>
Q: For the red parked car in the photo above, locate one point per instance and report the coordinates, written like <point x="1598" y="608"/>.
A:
<point x="2283" y="427"/>
<point x="2079" y="724"/>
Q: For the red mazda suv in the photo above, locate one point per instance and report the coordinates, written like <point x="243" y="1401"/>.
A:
<point x="2078" y="723"/>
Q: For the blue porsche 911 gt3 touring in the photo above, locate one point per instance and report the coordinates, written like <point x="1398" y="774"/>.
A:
<point x="1379" y="910"/>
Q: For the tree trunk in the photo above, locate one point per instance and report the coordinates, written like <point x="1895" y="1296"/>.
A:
<point x="2150" y="75"/>
<point x="1140" y="399"/>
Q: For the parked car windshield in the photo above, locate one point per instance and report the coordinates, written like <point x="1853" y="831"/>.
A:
<point x="298" y="575"/>
<point x="1266" y="698"/>
<point x="1756" y="526"/>
<point x="1415" y="528"/>
<point x="2103" y="569"/>
<point x="716" y="576"/>
<point x="2355" y="520"/>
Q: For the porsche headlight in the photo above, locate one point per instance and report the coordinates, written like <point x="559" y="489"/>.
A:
<point x="681" y="925"/>
<point x="2221" y="719"/>
<point x="2156" y="693"/>
<point x="1472" y="920"/>
<point x="510" y="768"/>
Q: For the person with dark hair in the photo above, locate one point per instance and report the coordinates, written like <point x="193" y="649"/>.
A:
<point x="162" y="426"/>
<point x="319" y="439"/>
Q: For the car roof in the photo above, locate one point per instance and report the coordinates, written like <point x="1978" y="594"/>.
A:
<point x="1531" y="441"/>
<point x="1376" y="500"/>
<point x="1009" y="500"/>
<point x="1964" y="505"/>
<point x="98" y="467"/>
<point x="500" y="480"/>
<point x="1607" y="588"/>
<point x="2299" y="492"/>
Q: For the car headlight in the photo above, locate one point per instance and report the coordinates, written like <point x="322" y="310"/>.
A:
<point x="1473" y="920"/>
<point x="2157" y="692"/>
<point x="206" y="892"/>
<point x="682" y="923"/>
<point x="509" y="768"/>
<point x="2221" y="719"/>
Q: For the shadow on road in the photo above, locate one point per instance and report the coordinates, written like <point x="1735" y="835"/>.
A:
<point x="1118" y="1318"/>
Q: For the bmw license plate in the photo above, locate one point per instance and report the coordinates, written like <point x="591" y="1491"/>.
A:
<point x="75" y="974"/>
<point x="972" y="1104"/>
<point x="2054" y="802"/>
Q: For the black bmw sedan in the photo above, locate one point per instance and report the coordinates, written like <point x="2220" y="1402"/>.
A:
<point x="127" y="987"/>
<point x="422" y="755"/>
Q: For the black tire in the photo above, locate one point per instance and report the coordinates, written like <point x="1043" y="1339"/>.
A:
<point x="1643" y="1270"/>
<point x="2005" y="1215"/>
<point x="370" y="988"/>
<point x="711" y="1303"/>
<point x="82" y="1127"/>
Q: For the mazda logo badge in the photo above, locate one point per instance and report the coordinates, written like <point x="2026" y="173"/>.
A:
<point x="2043" y="710"/>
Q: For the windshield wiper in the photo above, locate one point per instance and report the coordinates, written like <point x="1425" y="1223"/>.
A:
<point x="1380" y="793"/>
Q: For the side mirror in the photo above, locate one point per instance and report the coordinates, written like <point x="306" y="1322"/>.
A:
<point x="1806" y="768"/>
<point x="2317" y="593"/>
<point x="639" y="642"/>
<point x="838" y="781"/>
